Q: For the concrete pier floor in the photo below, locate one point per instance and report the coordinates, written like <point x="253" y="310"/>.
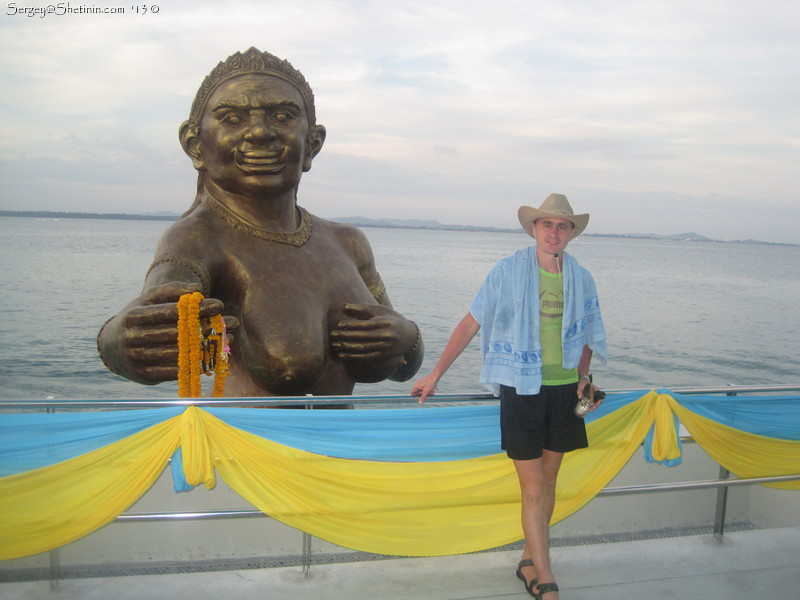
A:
<point x="761" y="564"/>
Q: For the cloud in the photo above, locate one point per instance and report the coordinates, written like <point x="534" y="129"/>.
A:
<point x="671" y="112"/>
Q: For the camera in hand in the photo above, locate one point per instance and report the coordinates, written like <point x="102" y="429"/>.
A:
<point x="590" y="397"/>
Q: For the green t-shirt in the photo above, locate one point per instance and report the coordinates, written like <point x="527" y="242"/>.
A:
<point x="551" y="310"/>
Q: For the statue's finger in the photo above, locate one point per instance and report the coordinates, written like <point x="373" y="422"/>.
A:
<point x="169" y="292"/>
<point x="155" y="356"/>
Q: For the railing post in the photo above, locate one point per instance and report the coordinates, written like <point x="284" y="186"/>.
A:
<point x="306" y="555"/>
<point x="55" y="568"/>
<point x="55" y="559"/>
<point x="307" y="536"/>
<point x="722" y="503"/>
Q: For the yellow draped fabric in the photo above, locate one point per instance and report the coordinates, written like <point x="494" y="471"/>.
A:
<point x="402" y="508"/>
<point x="612" y="441"/>
<point x="49" y="507"/>
<point x="745" y="454"/>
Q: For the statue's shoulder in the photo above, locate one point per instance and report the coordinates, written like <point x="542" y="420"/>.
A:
<point x="192" y="234"/>
<point x="347" y="234"/>
<point x="187" y="251"/>
<point x="197" y="217"/>
<point x="350" y="238"/>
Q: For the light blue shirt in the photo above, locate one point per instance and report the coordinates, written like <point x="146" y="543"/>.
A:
<point x="507" y="309"/>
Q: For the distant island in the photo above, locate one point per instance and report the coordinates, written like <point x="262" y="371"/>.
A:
<point x="44" y="214"/>
<point x="383" y="223"/>
<point x="421" y="224"/>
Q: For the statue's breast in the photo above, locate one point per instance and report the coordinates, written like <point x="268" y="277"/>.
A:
<point x="288" y="303"/>
<point x="283" y="342"/>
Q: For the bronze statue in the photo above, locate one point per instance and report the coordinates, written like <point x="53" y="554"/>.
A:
<point x="306" y="306"/>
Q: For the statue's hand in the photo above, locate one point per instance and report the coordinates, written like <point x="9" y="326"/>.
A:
<point x="141" y="342"/>
<point x="375" y="339"/>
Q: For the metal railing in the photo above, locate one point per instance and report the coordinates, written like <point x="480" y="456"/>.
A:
<point x="722" y="483"/>
<point x="309" y="401"/>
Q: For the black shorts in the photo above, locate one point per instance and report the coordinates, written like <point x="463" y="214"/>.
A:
<point x="545" y="421"/>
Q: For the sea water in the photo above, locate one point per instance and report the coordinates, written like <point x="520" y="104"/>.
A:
<point x="677" y="313"/>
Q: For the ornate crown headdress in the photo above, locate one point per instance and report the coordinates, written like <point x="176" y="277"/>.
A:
<point x="252" y="61"/>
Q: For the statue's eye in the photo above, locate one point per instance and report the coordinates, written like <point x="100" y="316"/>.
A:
<point x="283" y="116"/>
<point x="232" y="118"/>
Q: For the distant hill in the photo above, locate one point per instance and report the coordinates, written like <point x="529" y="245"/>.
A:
<point x="369" y="222"/>
<point x="415" y="224"/>
<point x="681" y="237"/>
<point x="44" y="214"/>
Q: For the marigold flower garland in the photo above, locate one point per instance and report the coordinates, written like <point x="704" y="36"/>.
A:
<point x="198" y="353"/>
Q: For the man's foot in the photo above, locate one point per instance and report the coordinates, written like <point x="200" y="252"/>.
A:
<point x="541" y="590"/>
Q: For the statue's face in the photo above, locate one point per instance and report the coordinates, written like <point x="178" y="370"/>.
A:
<point x="253" y="137"/>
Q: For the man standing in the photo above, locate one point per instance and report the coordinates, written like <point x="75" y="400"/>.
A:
<point x="540" y="325"/>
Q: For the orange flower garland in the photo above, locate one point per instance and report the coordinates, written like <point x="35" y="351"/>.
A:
<point x="199" y="354"/>
<point x="189" y="335"/>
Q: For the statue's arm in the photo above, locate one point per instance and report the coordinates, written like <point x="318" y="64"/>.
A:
<point x="140" y="342"/>
<point x="413" y="356"/>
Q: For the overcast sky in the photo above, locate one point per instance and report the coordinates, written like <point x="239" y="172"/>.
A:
<point x="662" y="117"/>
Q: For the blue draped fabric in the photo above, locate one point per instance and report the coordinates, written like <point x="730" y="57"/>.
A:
<point x="33" y="440"/>
<point x="771" y="416"/>
<point x="397" y="435"/>
<point x="404" y="435"/>
<point x="66" y="475"/>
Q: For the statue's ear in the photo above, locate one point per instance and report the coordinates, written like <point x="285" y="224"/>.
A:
<point x="190" y="142"/>
<point x="316" y="137"/>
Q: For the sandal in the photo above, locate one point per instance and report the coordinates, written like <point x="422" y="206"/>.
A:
<point x="543" y="589"/>
<point x="527" y="562"/>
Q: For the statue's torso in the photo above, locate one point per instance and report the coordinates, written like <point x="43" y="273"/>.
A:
<point x="287" y="300"/>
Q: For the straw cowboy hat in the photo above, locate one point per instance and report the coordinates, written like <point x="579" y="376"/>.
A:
<point x="555" y="205"/>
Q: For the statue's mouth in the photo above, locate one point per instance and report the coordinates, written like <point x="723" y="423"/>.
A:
<point x="262" y="161"/>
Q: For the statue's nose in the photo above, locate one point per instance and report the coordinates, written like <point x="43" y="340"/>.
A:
<point x="258" y="131"/>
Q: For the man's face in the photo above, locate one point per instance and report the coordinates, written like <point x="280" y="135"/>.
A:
<point x="552" y="234"/>
<point x="253" y="136"/>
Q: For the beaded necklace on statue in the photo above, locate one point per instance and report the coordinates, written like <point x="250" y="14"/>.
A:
<point x="239" y="223"/>
<point x="199" y="353"/>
